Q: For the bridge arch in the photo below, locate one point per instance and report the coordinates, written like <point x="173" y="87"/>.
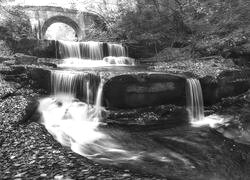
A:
<point x="62" y="19"/>
<point x="41" y="17"/>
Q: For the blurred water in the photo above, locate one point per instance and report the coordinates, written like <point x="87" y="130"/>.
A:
<point x="184" y="152"/>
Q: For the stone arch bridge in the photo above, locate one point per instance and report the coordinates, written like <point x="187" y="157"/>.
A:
<point x="41" y="17"/>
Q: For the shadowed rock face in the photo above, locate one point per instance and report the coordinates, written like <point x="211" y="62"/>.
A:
<point x="41" y="76"/>
<point x="228" y="83"/>
<point x="144" y="89"/>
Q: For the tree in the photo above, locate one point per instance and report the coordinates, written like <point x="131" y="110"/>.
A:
<point x="15" y="22"/>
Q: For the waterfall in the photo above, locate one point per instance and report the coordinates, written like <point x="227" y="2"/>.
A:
<point x="69" y="49"/>
<point x="81" y="50"/>
<point x="89" y="50"/>
<point x="63" y="82"/>
<point x="83" y="85"/>
<point x="194" y="100"/>
<point x="116" y="50"/>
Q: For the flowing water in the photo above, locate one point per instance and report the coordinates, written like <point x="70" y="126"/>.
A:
<point x="194" y="100"/>
<point x="183" y="152"/>
<point x="81" y="50"/>
<point x="91" y="54"/>
<point x="195" y="106"/>
<point x="189" y="151"/>
<point x="116" y="50"/>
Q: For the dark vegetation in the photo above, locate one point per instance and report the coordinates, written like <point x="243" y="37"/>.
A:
<point x="212" y="27"/>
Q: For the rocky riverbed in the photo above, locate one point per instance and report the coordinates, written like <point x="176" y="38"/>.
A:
<point x="28" y="151"/>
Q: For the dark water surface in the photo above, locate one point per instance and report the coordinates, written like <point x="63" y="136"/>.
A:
<point x="183" y="152"/>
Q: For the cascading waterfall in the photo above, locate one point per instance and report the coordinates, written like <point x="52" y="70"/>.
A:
<point x="75" y="83"/>
<point x="69" y="49"/>
<point x="63" y="82"/>
<point x="72" y="122"/>
<point x="81" y="50"/>
<point x="116" y="50"/>
<point x="91" y="54"/>
<point x="89" y="50"/>
<point x="194" y="100"/>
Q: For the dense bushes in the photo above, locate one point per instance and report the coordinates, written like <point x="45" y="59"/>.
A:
<point x="14" y="24"/>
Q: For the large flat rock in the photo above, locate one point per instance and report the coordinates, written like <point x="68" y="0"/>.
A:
<point x="144" y="89"/>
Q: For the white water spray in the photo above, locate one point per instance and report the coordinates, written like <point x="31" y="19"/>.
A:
<point x="195" y="107"/>
<point x="71" y="122"/>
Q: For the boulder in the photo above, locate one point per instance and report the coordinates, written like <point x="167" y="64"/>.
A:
<point x="228" y="83"/>
<point x="143" y="89"/>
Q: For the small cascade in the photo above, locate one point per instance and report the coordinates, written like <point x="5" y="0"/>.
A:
<point x="116" y="50"/>
<point x="77" y="84"/>
<point x="120" y="61"/>
<point x="72" y="122"/>
<point x="69" y="49"/>
<point x="90" y="50"/>
<point x="194" y="100"/>
<point x="81" y="50"/>
<point x="63" y="82"/>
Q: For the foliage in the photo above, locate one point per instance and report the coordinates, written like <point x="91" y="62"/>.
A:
<point x="14" y="23"/>
<point x="172" y="22"/>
